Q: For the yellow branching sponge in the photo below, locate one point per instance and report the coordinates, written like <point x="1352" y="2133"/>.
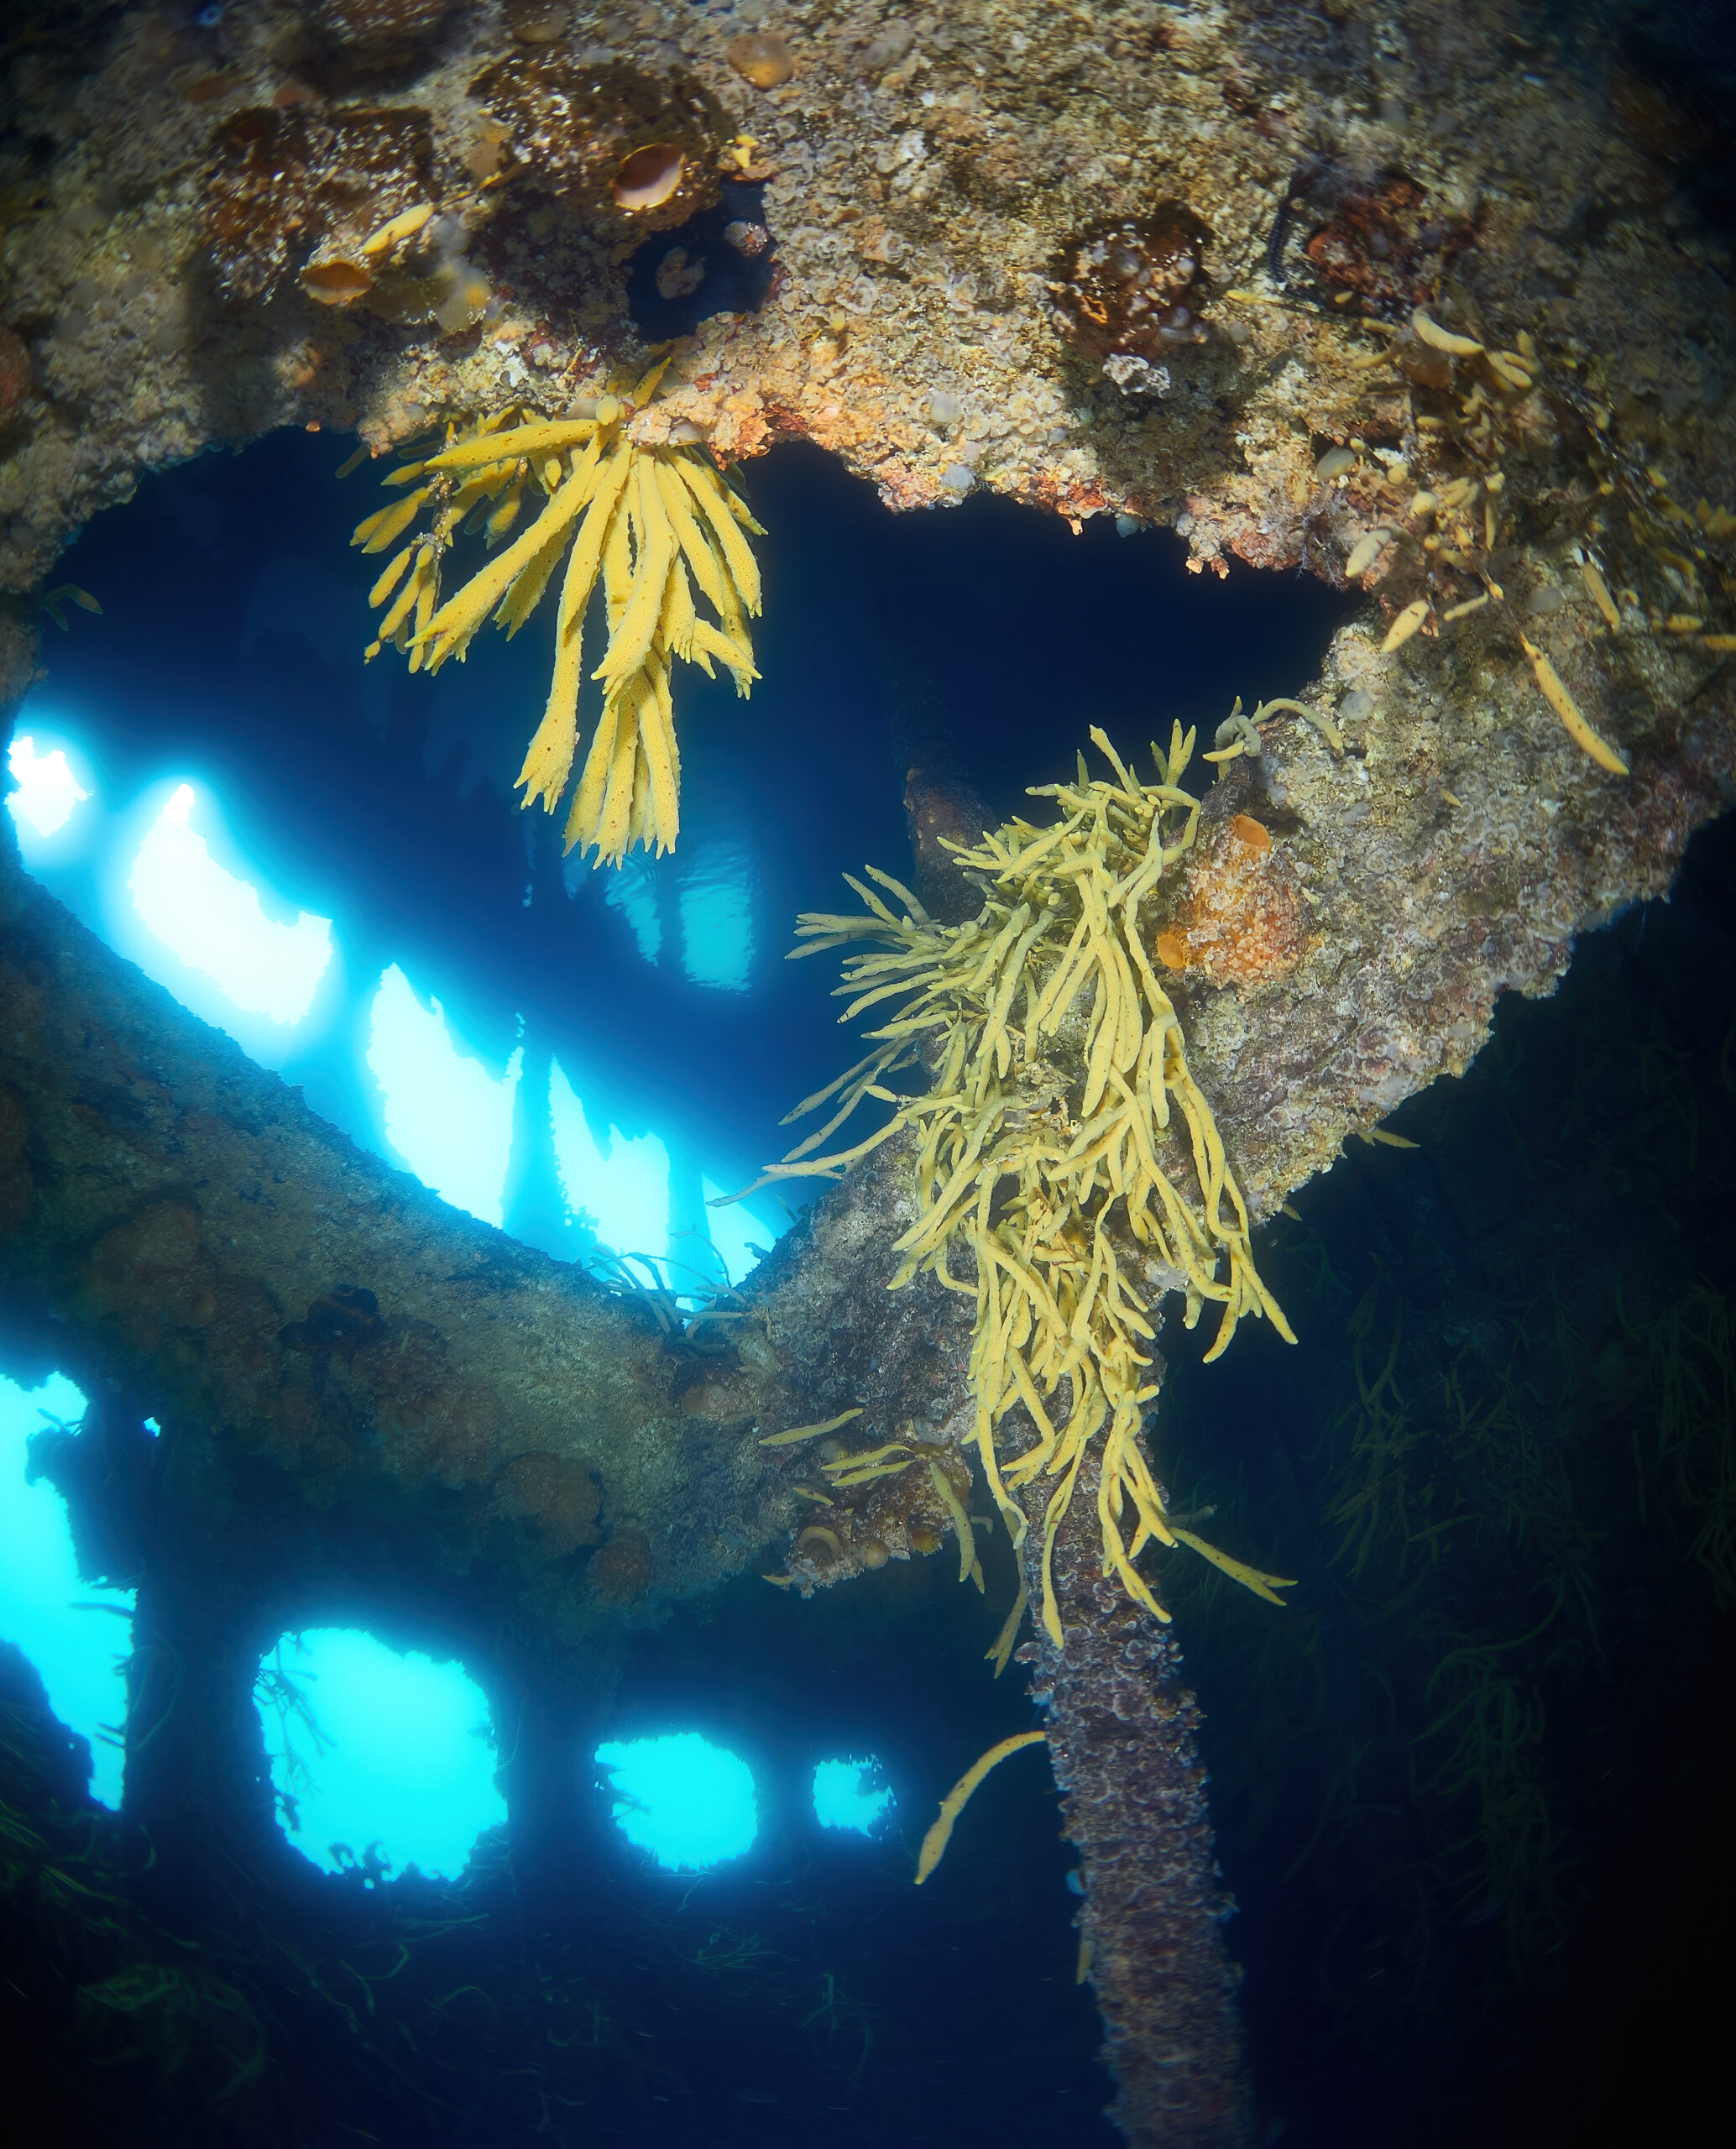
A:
<point x="940" y="1834"/>
<point x="651" y="522"/>
<point x="1047" y="1134"/>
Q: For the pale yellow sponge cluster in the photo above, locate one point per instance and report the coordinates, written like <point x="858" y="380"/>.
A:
<point x="651" y="522"/>
<point x="1061" y="1142"/>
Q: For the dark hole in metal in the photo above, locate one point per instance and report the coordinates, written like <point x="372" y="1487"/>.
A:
<point x="713" y="274"/>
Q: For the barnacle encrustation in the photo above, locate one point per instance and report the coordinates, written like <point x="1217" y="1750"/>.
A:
<point x="629" y="152"/>
<point x="1047" y="1147"/>
<point x="1374" y="241"/>
<point x="375" y="35"/>
<point x="649" y="520"/>
<point x="1493" y="437"/>
<point x="287" y="181"/>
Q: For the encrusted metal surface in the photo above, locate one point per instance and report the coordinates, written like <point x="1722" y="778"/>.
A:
<point x="924" y="179"/>
<point x="923" y="175"/>
<point x="1123" y="1738"/>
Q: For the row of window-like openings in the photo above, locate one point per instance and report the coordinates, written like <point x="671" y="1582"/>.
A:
<point x="381" y="1759"/>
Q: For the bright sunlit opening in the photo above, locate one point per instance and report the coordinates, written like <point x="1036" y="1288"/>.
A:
<point x="619" y="1186"/>
<point x="47" y="792"/>
<point x="851" y="1794"/>
<point x="689" y="1803"/>
<point x="215" y="923"/>
<point x="373" y="1748"/>
<point x="447" y="1116"/>
<point x="77" y="1635"/>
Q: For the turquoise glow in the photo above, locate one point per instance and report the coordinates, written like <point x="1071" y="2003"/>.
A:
<point x="159" y="873"/>
<point x="447" y="1116"/>
<point x="620" y="1186"/>
<point x="49" y="794"/>
<point x="740" y="1237"/>
<point x="689" y="1803"/>
<point x="717" y="915"/>
<point x="632" y="890"/>
<point x="216" y="924"/>
<point x="373" y="1746"/>
<point x="714" y="883"/>
<point x="846" y="1796"/>
<point x="67" y="1628"/>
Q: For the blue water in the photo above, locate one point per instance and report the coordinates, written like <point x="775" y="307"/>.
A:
<point x="326" y="860"/>
<point x="77" y="1631"/>
<point x="587" y="1058"/>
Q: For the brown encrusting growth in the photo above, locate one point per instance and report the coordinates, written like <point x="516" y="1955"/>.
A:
<point x="626" y="150"/>
<point x="1133" y="287"/>
<point x="921" y="174"/>
<point x="286" y="180"/>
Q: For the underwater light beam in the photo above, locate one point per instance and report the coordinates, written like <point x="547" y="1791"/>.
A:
<point x="632" y="890"/>
<point x="621" y="1184"/>
<point x="717" y="916"/>
<point x="445" y="1115"/>
<point x="217" y="925"/>
<point x="47" y="792"/>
